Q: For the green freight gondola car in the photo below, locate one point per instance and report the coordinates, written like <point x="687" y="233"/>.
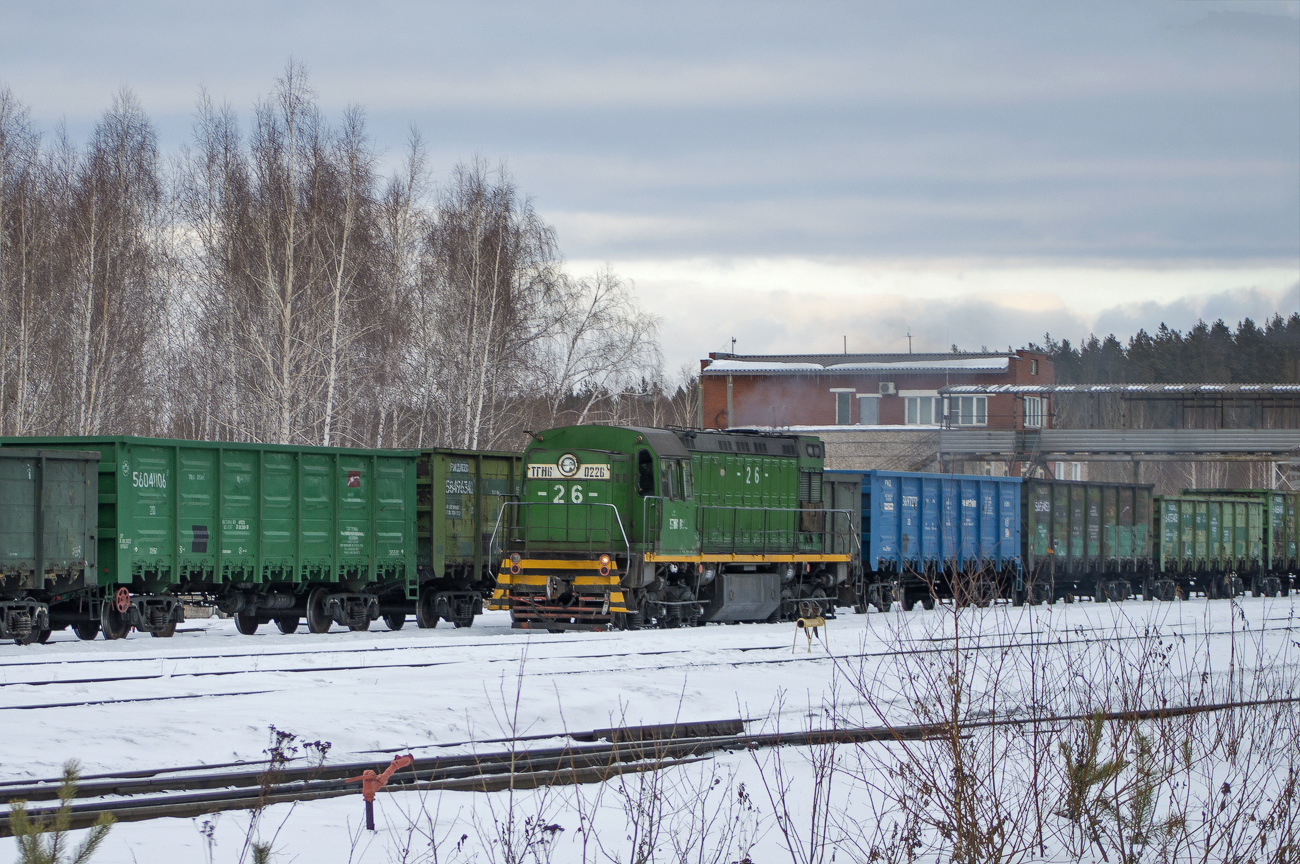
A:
<point x="1270" y="561"/>
<point x="48" y="546"/>
<point x="1082" y="538"/>
<point x="271" y="532"/>
<point x="460" y="494"/>
<point x="1208" y="544"/>
<point x="625" y="526"/>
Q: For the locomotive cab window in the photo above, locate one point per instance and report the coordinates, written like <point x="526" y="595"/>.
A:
<point x="667" y="476"/>
<point x="645" y="473"/>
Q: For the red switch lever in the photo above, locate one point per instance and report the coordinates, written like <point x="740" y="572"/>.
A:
<point x="372" y="783"/>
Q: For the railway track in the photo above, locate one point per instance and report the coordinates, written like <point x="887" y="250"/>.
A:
<point x="568" y="639"/>
<point x="974" y="643"/>
<point x="144" y="795"/>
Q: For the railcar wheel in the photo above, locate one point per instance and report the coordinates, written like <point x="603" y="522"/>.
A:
<point x="245" y="623"/>
<point x="927" y="601"/>
<point x="464" y="621"/>
<point x="426" y="613"/>
<point x="44" y="636"/>
<point x="396" y="621"/>
<point x="360" y="627"/>
<point x="113" y="622"/>
<point x="28" y="639"/>
<point x="886" y="598"/>
<point x="317" y="619"/>
<point x="86" y="630"/>
<point x="287" y="624"/>
<point x="167" y="631"/>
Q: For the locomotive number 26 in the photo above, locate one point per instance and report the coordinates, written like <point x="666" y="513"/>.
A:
<point x="575" y="494"/>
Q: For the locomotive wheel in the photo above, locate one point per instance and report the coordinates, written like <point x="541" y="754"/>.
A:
<point x="43" y="636"/>
<point x="287" y="623"/>
<point x="396" y="621"/>
<point x="86" y="630"/>
<point x="167" y="631"/>
<point x="360" y="628"/>
<point x="246" y="623"/>
<point x="32" y="636"/>
<point x="426" y="614"/>
<point x="113" y="622"/>
<point x="317" y="620"/>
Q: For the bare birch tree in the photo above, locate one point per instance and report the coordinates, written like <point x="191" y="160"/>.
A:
<point x="495" y="274"/>
<point x="601" y="345"/>
<point x="20" y="245"/>
<point x="402" y="371"/>
<point x="112" y="205"/>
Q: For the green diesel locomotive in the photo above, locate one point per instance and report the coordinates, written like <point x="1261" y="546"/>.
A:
<point x="630" y="527"/>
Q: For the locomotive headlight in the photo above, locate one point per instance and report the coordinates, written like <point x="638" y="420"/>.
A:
<point x="514" y="562"/>
<point x="604" y="565"/>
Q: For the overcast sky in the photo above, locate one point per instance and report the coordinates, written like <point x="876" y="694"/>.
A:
<point x="793" y="173"/>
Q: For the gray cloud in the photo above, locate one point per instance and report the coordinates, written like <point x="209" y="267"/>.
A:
<point x="1072" y="134"/>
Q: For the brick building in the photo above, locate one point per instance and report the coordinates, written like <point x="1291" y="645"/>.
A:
<point x="870" y="390"/>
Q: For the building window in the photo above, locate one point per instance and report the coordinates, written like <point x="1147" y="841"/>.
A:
<point x="1033" y="412"/>
<point x="843" y="408"/>
<point x="869" y="410"/>
<point x="972" y="411"/>
<point x="1033" y="367"/>
<point x="1069" y="470"/>
<point x="924" y="410"/>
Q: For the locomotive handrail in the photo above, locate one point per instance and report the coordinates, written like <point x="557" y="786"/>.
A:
<point x="567" y="527"/>
<point x="645" y="522"/>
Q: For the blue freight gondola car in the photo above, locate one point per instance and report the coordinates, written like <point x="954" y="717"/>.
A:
<point x="937" y="536"/>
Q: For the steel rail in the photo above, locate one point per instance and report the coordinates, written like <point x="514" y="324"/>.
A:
<point x="526" y="769"/>
<point x="998" y="646"/>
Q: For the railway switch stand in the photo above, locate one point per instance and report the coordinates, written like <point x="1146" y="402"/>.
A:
<point x="372" y="783"/>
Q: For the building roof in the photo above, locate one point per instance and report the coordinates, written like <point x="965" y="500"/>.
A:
<point x="1139" y="390"/>
<point x="742" y="364"/>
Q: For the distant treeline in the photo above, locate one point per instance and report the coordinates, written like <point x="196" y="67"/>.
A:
<point x="1207" y="353"/>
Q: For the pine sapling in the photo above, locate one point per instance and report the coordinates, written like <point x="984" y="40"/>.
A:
<point x="45" y="840"/>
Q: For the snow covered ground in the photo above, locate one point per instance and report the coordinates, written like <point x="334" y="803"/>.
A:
<point x="208" y="696"/>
